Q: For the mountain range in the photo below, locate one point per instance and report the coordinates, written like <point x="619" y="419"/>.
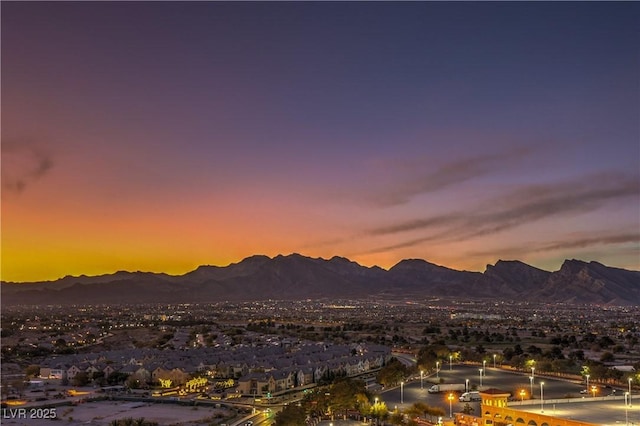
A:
<point x="299" y="277"/>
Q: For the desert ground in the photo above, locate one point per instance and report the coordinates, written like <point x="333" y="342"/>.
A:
<point x="105" y="412"/>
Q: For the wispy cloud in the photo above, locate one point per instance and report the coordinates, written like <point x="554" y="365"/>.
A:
<point x="526" y="205"/>
<point x="22" y="164"/>
<point x="567" y="242"/>
<point x="538" y="202"/>
<point x="591" y="241"/>
<point x="426" y="223"/>
<point x="421" y="181"/>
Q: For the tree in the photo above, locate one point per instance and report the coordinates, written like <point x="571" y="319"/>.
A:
<point x="605" y="342"/>
<point x="344" y="394"/>
<point x="364" y="405"/>
<point x="434" y="412"/>
<point x="379" y="410"/>
<point x="117" y="378"/>
<point x="392" y="373"/>
<point x="577" y="355"/>
<point x="291" y="415"/>
<point x="81" y="379"/>
<point x="132" y="382"/>
<point x="418" y="409"/>
<point x="32" y="371"/>
<point x="607" y="357"/>
<point x="397" y="418"/>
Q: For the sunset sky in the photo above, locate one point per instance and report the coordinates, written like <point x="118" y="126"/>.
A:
<point x="159" y="136"/>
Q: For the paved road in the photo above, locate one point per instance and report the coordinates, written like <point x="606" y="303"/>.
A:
<point x="259" y="418"/>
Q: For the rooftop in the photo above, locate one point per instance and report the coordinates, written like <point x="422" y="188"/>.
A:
<point x="606" y="411"/>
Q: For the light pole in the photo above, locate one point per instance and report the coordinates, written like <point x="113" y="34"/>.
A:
<point x="522" y="394"/>
<point x="494" y="360"/>
<point x="587" y="376"/>
<point x="542" y="397"/>
<point x="438" y="370"/>
<point x="375" y="409"/>
<point x="401" y="392"/>
<point x="421" y="381"/>
<point x="466" y="385"/>
<point x="450" y="360"/>
<point x="481" y="378"/>
<point x="593" y="390"/>
<point x="450" y="398"/>
<point x="533" y="371"/>
<point x="626" y="408"/>
<point x="531" y="380"/>
<point x="484" y="365"/>
<point x="630" y="391"/>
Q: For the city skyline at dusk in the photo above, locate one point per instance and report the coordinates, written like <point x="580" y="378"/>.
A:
<point x="162" y="136"/>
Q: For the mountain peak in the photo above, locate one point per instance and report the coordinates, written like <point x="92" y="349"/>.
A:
<point x="416" y="263"/>
<point x="295" y="276"/>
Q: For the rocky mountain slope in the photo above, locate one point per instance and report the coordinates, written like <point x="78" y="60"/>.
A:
<point x="300" y="277"/>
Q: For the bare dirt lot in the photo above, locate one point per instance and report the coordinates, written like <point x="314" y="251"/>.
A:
<point x="105" y="412"/>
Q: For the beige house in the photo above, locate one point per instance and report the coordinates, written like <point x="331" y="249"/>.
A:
<point x="177" y="375"/>
<point x="256" y="384"/>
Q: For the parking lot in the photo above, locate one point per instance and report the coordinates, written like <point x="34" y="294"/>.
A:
<point x="520" y="386"/>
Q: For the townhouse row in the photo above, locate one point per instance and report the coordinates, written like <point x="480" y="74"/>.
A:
<point x="255" y="370"/>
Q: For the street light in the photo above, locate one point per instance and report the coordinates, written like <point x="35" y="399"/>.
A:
<point x="522" y="394"/>
<point x="421" y="377"/>
<point x="630" y="391"/>
<point x="594" y="389"/>
<point x="466" y="385"/>
<point x="401" y="392"/>
<point x="531" y="380"/>
<point x="533" y="371"/>
<point x="542" y="397"/>
<point x="375" y="409"/>
<point x="437" y="369"/>
<point x="494" y="360"/>
<point x="587" y="376"/>
<point x="484" y="365"/>
<point x="450" y="398"/>
<point x="481" y="377"/>
<point x="450" y="360"/>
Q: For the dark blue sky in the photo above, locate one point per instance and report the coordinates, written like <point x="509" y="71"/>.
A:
<point x="452" y="131"/>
